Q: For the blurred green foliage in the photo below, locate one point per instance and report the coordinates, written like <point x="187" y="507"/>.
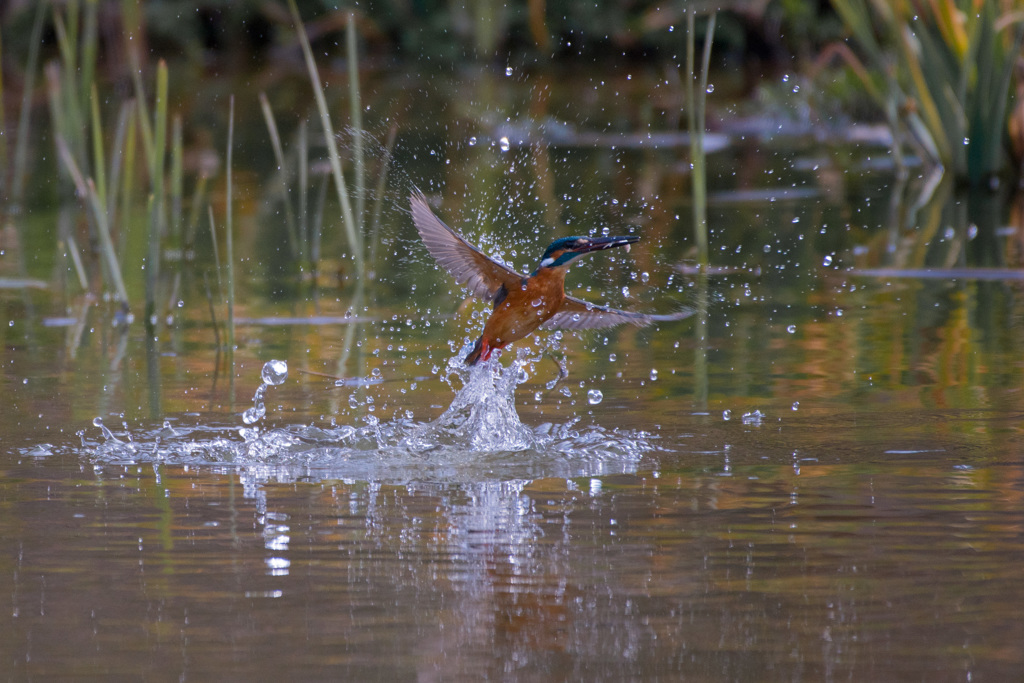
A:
<point x="944" y="74"/>
<point x="248" y="30"/>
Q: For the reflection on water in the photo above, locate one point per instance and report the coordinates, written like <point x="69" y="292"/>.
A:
<point x="719" y="557"/>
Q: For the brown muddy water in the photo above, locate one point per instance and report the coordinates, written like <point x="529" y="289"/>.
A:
<point x="816" y="477"/>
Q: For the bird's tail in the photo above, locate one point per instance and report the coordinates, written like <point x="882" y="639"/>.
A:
<point x="474" y="355"/>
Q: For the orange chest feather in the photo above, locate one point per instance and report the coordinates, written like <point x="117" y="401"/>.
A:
<point x="526" y="308"/>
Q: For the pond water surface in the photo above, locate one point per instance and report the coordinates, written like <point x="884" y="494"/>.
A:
<point x="817" y="476"/>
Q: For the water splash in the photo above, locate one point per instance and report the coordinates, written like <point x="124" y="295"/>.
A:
<point x="478" y="438"/>
<point x="483" y="415"/>
<point x="274" y="373"/>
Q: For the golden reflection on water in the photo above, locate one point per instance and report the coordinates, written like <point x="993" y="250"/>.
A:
<point x="894" y="566"/>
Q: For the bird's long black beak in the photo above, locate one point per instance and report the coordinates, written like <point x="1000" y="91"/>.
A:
<point x="599" y="243"/>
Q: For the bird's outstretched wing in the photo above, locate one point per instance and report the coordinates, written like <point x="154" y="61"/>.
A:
<point x="576" y="314"/>
<point x="483" y="276"/>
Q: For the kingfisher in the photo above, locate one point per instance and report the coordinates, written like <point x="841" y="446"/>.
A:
<point x="523" y="304"/>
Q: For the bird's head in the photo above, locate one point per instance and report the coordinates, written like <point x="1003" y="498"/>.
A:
<point x="564" y="250"/>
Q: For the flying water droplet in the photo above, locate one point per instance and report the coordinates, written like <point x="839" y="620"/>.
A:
<point x="275" y="372"/>
<point x="504" y="144"/>
<point x="254" y="414"/>
<point x="791" y="329"/>
<point x="827" y="261"/>
<point x="755" y="418"/>
<point x="594" y="396"/>
<point x="107" y="434"/>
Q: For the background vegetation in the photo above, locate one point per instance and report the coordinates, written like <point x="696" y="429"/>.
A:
<point x="99" y="86"/>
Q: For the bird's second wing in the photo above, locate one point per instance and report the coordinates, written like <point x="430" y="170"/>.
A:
<point x="576" y="314"/>
<point x="482" y="275"/>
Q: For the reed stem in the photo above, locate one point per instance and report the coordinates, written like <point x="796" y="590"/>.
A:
<point x="230" y="240"/>
<point x="275" y="144"/>
<point x="696" y="91"/>
<point x="351" y="232"/>
<point x="356" y="114"/>
<point x="98" y="163"/>
<point x="156" y="157"/>
<point x="177" y="179"/>
<point x="24" y="116"/>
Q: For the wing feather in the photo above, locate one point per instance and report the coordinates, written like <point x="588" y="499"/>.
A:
<point x="481" y="274"/>
<point x="576" y="314"/>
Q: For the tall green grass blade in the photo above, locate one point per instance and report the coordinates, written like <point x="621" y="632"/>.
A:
<point x="145" y="127"/>
<point x="20" y="168"/>
<point x="4" y="156"/>
<point x="177" y="178"/>
<point x="318" y="223"/>
<point x="76" y="259"/>
<point x="697" y="84"/>
<point x="128" y="186"/>
<point x="86" y="189"/>
<point x="351" y="231"/>
<point x="98" y="162"/>
<point x="195" y="206"/>
<point x="89" y="47"/>
<point x="303" y="162"/>
<point x="157" y="198"/>
<point x="275" y="144"/>
<point x="378" y="204"/>
<point x="356" y="115"/>
<point x="99" y="210"/>
<point x="217" y="268"/>
<point x="230" y="240"/>
<point x="69" y="113"/>
<point x="117" y="154"/>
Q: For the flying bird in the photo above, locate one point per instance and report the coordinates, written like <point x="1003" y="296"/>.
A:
<point x="521" y="303"/>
